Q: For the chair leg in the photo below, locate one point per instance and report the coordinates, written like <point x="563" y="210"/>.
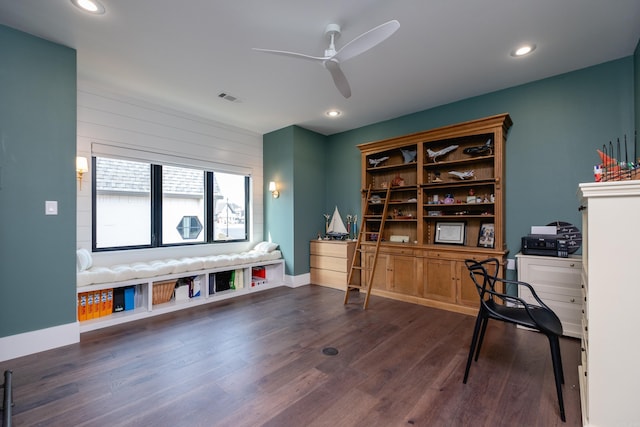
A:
<point x="472" y="347"/>
<point x="556" y="360"/>
<point x="485" y="321"/>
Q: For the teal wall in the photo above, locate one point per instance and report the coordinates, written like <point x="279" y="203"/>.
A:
<point x="37" y="163"/>
<point x="295" y="158"/>
<point x="559" y="123"/>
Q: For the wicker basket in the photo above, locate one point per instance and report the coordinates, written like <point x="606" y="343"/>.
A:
<point x="163" y="291"/>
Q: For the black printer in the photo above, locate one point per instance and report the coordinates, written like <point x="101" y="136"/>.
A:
<point x="546" y="245"/>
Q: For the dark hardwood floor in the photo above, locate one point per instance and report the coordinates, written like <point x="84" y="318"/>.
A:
<point x="257" y="360"/>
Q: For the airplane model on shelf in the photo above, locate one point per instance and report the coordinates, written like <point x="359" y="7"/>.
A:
<point x="376" y="162"/>
<point x="479" y="150"/>
<point x="409" y="155"/>
<point x="433" y="155"/>
<point x="462" y="175"/>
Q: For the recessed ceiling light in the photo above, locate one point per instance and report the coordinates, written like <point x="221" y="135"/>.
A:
<point x="523" y="50"/>
<point x="333" y="113"/>
<point x="91" y="6"/>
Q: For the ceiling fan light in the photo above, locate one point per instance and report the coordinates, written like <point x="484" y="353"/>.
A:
<point x="333" y="113"/>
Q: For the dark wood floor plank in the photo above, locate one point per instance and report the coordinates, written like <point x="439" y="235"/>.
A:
<point x="257" y="360"/>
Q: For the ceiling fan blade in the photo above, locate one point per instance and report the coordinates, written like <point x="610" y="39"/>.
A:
<point x="366" y="41"/>
<point x="293" y="54"/>
<point x="339" y="78"/>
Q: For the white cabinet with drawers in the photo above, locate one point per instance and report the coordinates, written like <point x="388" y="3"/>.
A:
<point x="609" y="375"/>
<point x="557" y="283"/>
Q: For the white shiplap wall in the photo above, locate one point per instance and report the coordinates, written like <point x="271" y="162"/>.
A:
<point x="107" y="117"/>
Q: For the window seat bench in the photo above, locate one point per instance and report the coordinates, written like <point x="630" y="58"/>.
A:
<point x="253" y="271"/>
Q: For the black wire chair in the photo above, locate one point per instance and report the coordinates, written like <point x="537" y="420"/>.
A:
<point x="512" y="309"/>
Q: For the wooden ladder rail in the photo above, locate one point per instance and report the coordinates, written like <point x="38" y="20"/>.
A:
<point x="357" y="261"/>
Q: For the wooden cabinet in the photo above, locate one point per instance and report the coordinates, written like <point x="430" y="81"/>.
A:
<point x="557" y="283"/>
<point x="397" y="272"/>
<point x="446" y="198"/>
<point x="448" y="281"/>
<point x="330" y="262"/>
<point x="610" y="348"/>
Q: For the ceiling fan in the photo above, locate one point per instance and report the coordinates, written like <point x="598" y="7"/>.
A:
<point x="332" y="58"/>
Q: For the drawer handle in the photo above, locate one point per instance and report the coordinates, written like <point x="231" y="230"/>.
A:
<point x="572" y="265"/>
<point x="573" y="300"/>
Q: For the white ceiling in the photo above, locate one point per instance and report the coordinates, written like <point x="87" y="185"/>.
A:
<point x="182" y="54"/>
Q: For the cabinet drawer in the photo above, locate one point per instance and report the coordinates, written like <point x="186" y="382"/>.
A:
<point x="335" y="249"/>
<point x="554" y="274"/>
<point x="554" y="293"/>
<point x="328" y="277"/>
<point x="400" y="251"/>
<point x="329" y="263"/>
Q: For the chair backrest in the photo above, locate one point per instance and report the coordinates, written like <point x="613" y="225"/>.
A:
<point x="484" y="274"/>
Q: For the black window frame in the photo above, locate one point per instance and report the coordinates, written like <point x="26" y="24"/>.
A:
<point x="156" y="211"/>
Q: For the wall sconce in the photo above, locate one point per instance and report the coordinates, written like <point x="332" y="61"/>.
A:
<point x="274" y="190"/>
<point x="82" y="166"/>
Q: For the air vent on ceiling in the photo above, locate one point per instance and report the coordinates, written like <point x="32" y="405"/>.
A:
<point x="227" y="97"/>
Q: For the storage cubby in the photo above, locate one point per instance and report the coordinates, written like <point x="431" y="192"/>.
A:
<point x="237" y="283"/>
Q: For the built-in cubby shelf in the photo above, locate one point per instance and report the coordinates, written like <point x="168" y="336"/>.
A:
<point x="143" y="301"/>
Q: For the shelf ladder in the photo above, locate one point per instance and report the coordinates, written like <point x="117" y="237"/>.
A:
<point x="365" y="282"/>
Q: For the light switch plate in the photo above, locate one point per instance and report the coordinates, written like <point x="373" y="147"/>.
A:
<point x="51" y="207"/>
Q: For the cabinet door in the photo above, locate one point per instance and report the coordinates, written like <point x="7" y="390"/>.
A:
<point x="403" y="273"/>
<point x="467" y="292"/>
<point x="380" y="274"/>
<point x="440" y="280"/>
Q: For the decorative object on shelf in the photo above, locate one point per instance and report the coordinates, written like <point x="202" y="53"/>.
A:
<point x="349" y="218"/>
<point x="377" y="162"/>
<point x="436" y="177"/>
<point x="326" y="223"/>
<point x="336" y="229"/>
<point x="398" y="181"/>
<point x="462" y="175"/>
<point x="451" y="233"/>
<point x="409" y="156"/>
<point x="569" y="232"/>
<point x="487" y="235"/>
<point x="471" y="198"/>
<point x="355" y="226"/>
<point x="375" y="199"/>
<point x="613" y="168"/>
<point x="479" y="150"/>
<point x="433" y="155"/>
<point x="448" y="199"/>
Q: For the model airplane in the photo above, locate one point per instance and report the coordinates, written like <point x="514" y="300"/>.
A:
<point x="376" y="162"/>
<point x="479" y="150"/>
<point x="409" y="155"/>
<point x="435" y="154"/>
<point x="462" y="175"/>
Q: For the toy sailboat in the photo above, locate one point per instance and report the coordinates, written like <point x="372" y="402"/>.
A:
<point x="336" y="229"/>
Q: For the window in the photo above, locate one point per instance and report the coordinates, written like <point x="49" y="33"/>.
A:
<point x="138" y="205"/>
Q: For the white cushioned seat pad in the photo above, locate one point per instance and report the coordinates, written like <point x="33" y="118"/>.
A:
<point x="146" y="270"/>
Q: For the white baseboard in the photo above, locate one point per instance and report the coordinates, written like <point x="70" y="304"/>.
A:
<point x="297" y="281"/>
<point x="36" y="341"/>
